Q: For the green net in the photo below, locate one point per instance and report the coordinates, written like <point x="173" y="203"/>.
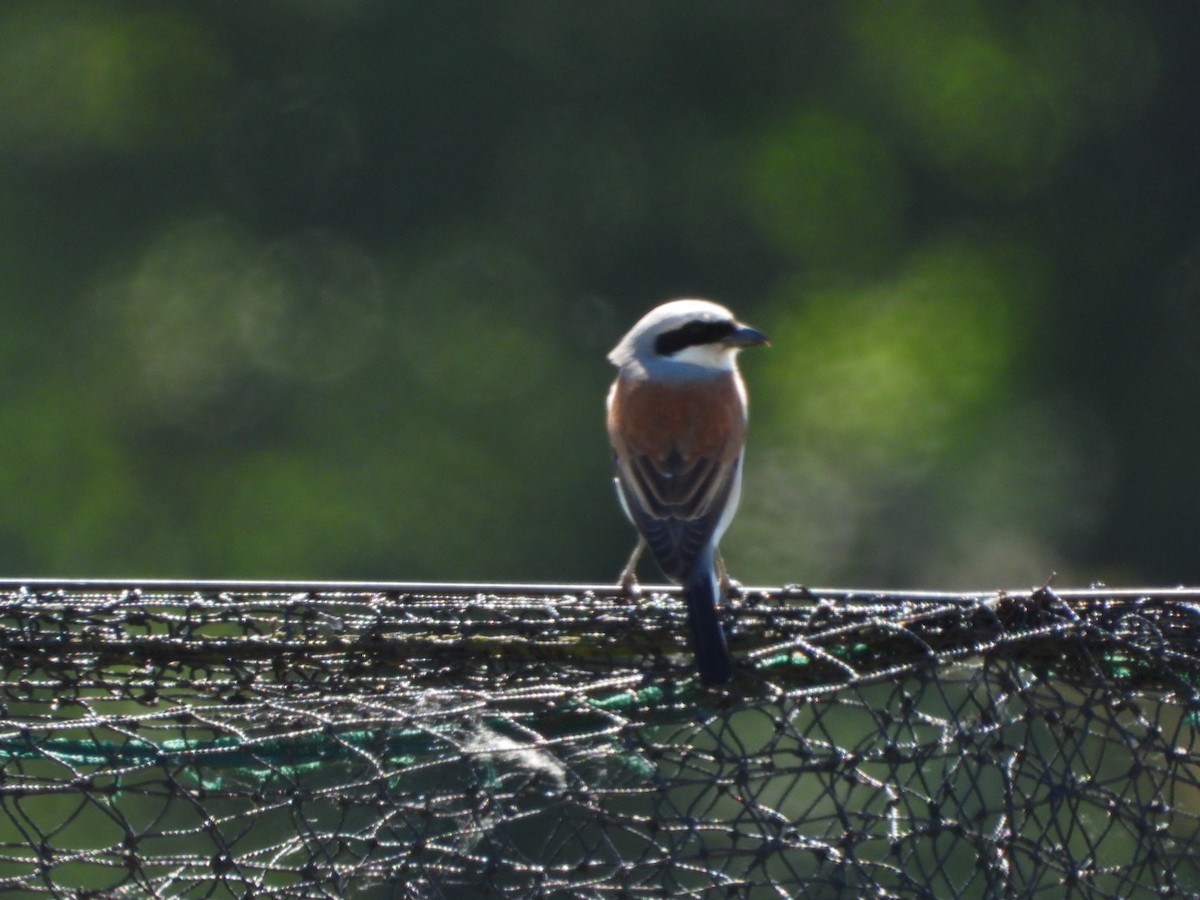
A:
<point x="257" y="740"/>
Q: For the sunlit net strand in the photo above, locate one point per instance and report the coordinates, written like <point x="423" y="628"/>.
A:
<point x="307" y="740"/>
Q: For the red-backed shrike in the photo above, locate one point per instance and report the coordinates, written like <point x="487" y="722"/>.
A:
<point x="677" y="425"/>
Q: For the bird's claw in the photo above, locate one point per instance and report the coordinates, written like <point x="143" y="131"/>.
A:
<point x="629" y="584"/>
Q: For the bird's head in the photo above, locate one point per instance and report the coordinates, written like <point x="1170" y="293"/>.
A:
<point x="682" y="334"/>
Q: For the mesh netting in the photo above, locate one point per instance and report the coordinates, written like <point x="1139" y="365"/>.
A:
<point x="375" y="741"/>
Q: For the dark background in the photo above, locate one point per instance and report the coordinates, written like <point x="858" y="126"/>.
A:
<point x="323" y="289"/>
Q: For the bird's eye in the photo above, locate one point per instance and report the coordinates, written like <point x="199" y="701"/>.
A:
<point x="691" y="334"/>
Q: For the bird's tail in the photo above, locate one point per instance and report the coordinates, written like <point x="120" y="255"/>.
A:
<point x="708" y="639"/>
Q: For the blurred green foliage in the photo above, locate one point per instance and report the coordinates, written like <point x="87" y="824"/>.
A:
<point x="323" y="288"/>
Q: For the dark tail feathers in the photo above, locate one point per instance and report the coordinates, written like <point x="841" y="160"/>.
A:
<point x="708" y="639"/>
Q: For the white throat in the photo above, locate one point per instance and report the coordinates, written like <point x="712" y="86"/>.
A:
<point x="709" y="356"/>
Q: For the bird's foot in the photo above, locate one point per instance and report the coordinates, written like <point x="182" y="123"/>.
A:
<point x="730" y="587"/>
<point x="629" y="584"/>
<point x="628" y="580"/>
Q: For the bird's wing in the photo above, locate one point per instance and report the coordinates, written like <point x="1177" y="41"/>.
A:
<point x="677" y="503"/>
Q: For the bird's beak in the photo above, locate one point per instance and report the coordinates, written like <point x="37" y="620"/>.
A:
<point x="745" y="336"/>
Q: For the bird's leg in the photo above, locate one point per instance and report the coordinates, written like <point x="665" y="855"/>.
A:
<point x="628" y="579"/>
<point x="728" y="585"/>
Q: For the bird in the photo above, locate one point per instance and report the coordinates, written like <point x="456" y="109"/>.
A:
<point x="676" y="419"/>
